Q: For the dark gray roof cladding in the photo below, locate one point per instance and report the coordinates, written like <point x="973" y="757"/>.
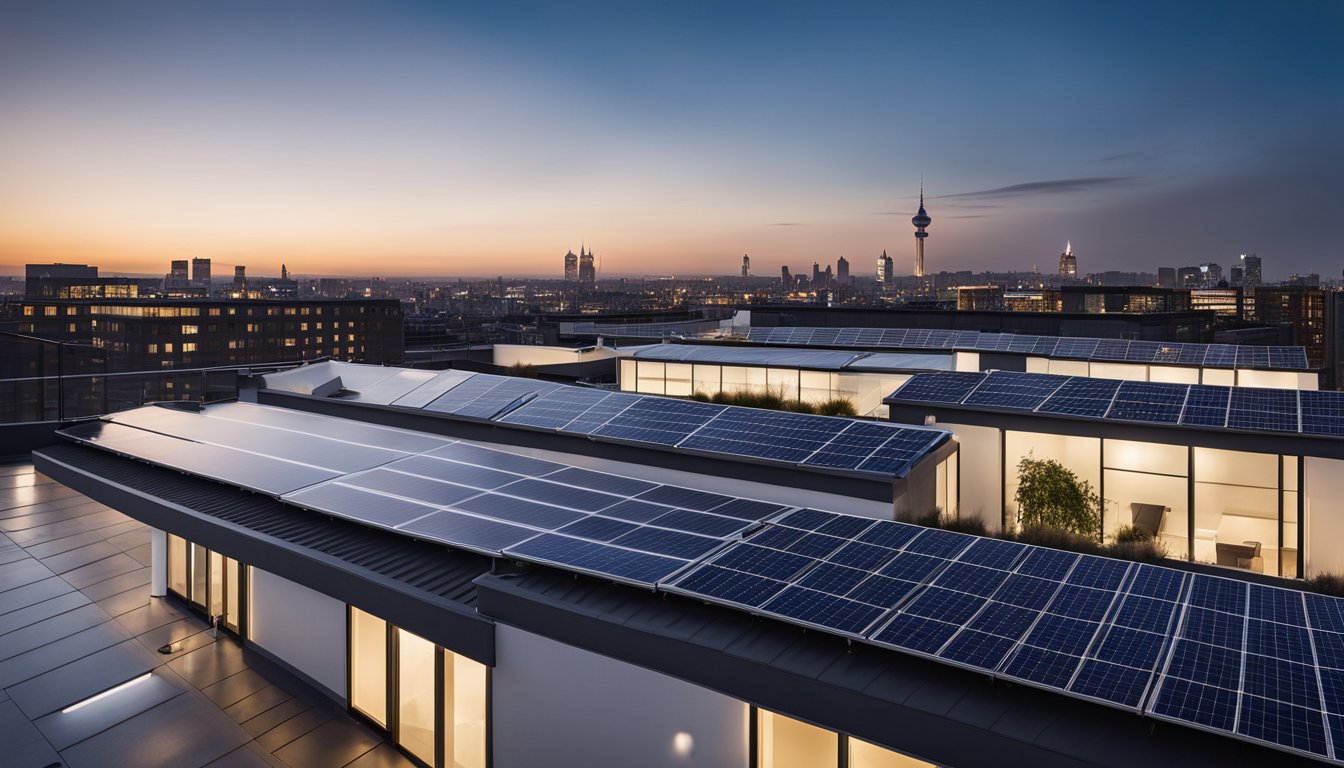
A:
<point x="937" y="713"/>
<point x="351" y="562"/>
<point x="815" y="359"/>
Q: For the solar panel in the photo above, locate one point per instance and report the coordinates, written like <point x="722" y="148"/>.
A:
<point x="1079" y="396"/>
<point x="595" y="558"/>
<point x="1322" y="413"/>
<point x="764" y="434"/>
<point x="1111" y="349"/>
<point x="943" y="387"/>
<point x="556" y="408"/>
<point x="1263" y="409"/>
<point x="1206" y="406"/>
<point x="1288" y="358"/>
<point x="1252" y="357"/>
<point x="1153" y="403"/>
<point x="658" y="420"/>
<point x="1220" y="356"/>
<point x="1078" y="349"/>
<point x="1024" y="391"/>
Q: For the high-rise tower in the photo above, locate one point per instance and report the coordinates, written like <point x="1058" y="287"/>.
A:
<point x="920" y="220"/>
<point x="587" y="272"/>
<point x="842" y="271"/>
<point x="571" y="267"/>
<point x="746" y="265"/>
<point x="1068" y="263"/>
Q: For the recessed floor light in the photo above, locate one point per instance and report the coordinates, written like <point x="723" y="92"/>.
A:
<point x="105" y="694"/>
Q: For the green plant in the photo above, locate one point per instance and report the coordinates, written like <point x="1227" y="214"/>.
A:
<point x="837" y="406"/>
<point x="700" y="397"/>
<point x="523" y="370"/>
<point x="1049" y="494"/>
<point x="1043" y="535"/>
<point x="1326" y="584"/>
<point x="1143" y="550"/>
<point x="1129" y="533"/>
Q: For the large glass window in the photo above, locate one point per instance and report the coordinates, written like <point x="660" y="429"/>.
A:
<point x="199" y="576"/>
<point x="464" y="684"/>
<point x="815" y="386"/>
<point x="1237" y="499"/>
<point x="783" y="742"/>
<point x="679" y="379"/>
<point x="368" y="665"/>
<point x="652" y="377"/>
<point x="865" y="755"/>
<point x="706" y="379"/>
<point x="177" y="564"/>
<point x="1147" y="486"/>
<point x="416" y="678"/>
<point x="1081" y="455"/>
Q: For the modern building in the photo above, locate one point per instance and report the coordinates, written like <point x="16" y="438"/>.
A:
<point x="746" y="265"/>
<point x="1302" y="309"/>
<point x="1239" y="477"/>
<point x="921" y="221"/>
<point x="1068" y="263"/>
<point x="1223" y="302"/>
<point x="1166" y="277"/>
<point x="886" y="270"/>
<point x="587" y="272"/>
<point x="785" y="278"/>
<point x="152" y="334"/>
<point x="200" y="274"/>
<point x="240" y="277"/>
<point x="1252" y="275"/>
<point x="76" y="281"/>
<point x="176" y="282"/>
<point x="485" y="593"/>
<point x="1100" y="299"/>
<point x="842" y="271"/>
<point x="571" y="267"/>
<point x="980" y="298"/>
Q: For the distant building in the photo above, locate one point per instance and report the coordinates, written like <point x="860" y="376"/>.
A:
<point x="1188" y="277"/>
<point x="1210" y="275"/>
<point x="978" y="298"/>
<point x="1301" y="308"/>
<point x="75" y="281"/>
<point x="240" y="277"/>
<point x="886" y="273"/>
<point x="827" y="276"/>
<point x="1094" y="299"/>
<point x="842" y="271"/>
<point x="200" y="274"/>
<point x="1224" y="302"/>
<point x="1236" y="276"/>
<point x="1166" y="277"/>
<point x="587" y="272"/>
<point x="816" y="275"/>
<point x="1068" y="263"/>
<point x="921" y="220"/>
<point x="1251" y="274"/>
<point x="1043" y="300"/>
<point x="746" y="265"/>
<point x="176" y="282"/>
<point x="785" y="278"/>
<point x="571" y="267"/>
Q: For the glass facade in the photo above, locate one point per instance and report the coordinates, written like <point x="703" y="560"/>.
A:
<point x="864" y="390"/>
<point x="208" y="581"/>
<point x="782" y="742"/>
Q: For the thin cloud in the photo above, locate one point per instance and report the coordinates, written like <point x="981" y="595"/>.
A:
<point x="1043" y="187"/>
<point x="788" y="224"/>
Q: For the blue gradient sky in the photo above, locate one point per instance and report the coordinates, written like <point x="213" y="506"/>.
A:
<point x="401" y="138"/>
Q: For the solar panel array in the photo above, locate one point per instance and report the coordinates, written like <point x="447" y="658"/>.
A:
<point x="1252" y="409"/>
<point x="1100" y="350"/>
<point x="1250" y="661"/>
<point x="817" y="359"/>
<point x="1245" y="660"/>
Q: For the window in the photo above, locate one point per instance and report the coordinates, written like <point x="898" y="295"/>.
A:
<point x="190" y="329"/>
<point x="416" y="720"/>
<point x="782" y="742"/>
<point x="209" y="582"/>
<point x="368" y="665"/>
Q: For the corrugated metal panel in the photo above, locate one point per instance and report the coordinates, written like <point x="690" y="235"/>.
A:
<point x="423" y="565"/>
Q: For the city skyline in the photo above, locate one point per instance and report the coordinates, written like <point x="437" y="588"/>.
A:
<point x="432" y="142"/>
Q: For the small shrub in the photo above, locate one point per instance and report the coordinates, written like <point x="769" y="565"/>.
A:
<point x="1143" y="550"/>
<point x="972" y="525"/>
<point x="523" y="370"/>
<point x="1129" y="533"/>
<point x="1051" y="495"/>
<point x="931" y="519"/>
<point x="837" y="406"/>
<point x="1057" y="538"/>
<point x="700" y="397"/>
<point x="1326" y="584"/>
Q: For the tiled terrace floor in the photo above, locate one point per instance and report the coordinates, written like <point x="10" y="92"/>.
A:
<point x="76" y="619"/>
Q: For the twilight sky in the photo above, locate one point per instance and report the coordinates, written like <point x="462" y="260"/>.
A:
<point x="436" y="138"/>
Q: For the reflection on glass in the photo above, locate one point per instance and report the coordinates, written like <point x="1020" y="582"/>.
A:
<point x="865" y="755"/>
<point x="464" y="711"/>
<point x="368" y="665"/>
<point x="217" y="588"/>
<point x="177" y="564"/>
<point x="199" y="573"/>
<point x="233" y="588"/>
<point x="787" y="743"/>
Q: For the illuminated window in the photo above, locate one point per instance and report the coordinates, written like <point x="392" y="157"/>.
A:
<point x="368" y="665"/>
<point x="787" y="743"/>
<point x="188" y="346"/>
<point x="190" y="329"/>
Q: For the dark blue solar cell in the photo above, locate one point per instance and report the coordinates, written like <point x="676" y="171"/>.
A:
<point x="1027" y="591"/>
<point x="1003" y="620"/>
<point x="1062" y="634"/>
<point x="1281" y="605"/>
<point x="600" y="481"/>
<point x="834" y="613"/>
<point x="1098" y="572"/>
<point x="1253" y="357"/>
<point x="764" y="434"/>
<point x="971" y="579"/>
<point x="453" y="472"/>
<point x="601" y="412"/>
<point x="832" y="579"/>
<point x="555" y="409"/>
<point x="603" y="559"/>
<point x="896" y="466"/>
<point x="598" y="528"/>
<point x="746" y="509"/>
<point x="977" y="649"/>
<point x="1049" y="668"/>
<point x="730" y="586"/>
<point x="1130" y="647"/>
<point x="1264" y="410"/>
<point x="1322" y="412"/>
<point x="520" y="510"/>
<point x="1111" y="349"/>
<point x="882" y="591"/>
<point x="1111" y="682"/>
<point x="939" y="543"/>
<point x="1332" y="690"/>
<point x="1220" y="356"/>
<point x="467" y="531"/>
<point x="689" y="498"/>
<point x="1290" y="358"/>
<point x="635" y="511"/>
<point x="1081" y="602"/>
<point x="808" y="519"/>
<point x="1009" y="389"/>
<point x="559" y="495"/>
<point x="846" y="527"/>
<point x="1282" y="681"/>
<point x="889" y="534"/>
<point x="1213" y="627"/>
<point x="868" y="557"/>
<point x="1142" y="351"/>
<point x="943" y="387"/>
<point x="1206" y="406"/>
<point x="1218" y="594"/>
<point x="1080" y="396"/>
<point x="815" y="545"/>
<point x="1146" y="613"/>
<point x="776" y="536"/>
<point x="993" y="553"/>
<point x="492" y="459"/>
<point x="412" y="486"/>
<point x="1045" y="563"/>
<point x="703" y="523"/>
<point x="1190" y="354"/>
<point x="912" y="567"/>
<point x="1077" y="349"/>
<point x="1154" y="403"/>
<point x="916" y="633"/>
<point x="1326" y="612"/>
<point x="1191" y="702"/>
<point x="1153" y="581"/>
<point x="763" y="562"/>
<point x="945" y="605"/>
<point x="671" y="543"/>
<point x="1282" y="724"/>
<point x="1329" y="649"/>
<point x="1208" y="664"/>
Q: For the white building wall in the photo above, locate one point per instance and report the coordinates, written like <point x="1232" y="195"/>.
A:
<point x="1325" y="515"/>
<point x="568" y="707"/>
<point x="303" y="628"/>
<point x="981" y="464"/>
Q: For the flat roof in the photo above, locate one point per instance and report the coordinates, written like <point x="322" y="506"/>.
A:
<point x="809" y="359"/>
